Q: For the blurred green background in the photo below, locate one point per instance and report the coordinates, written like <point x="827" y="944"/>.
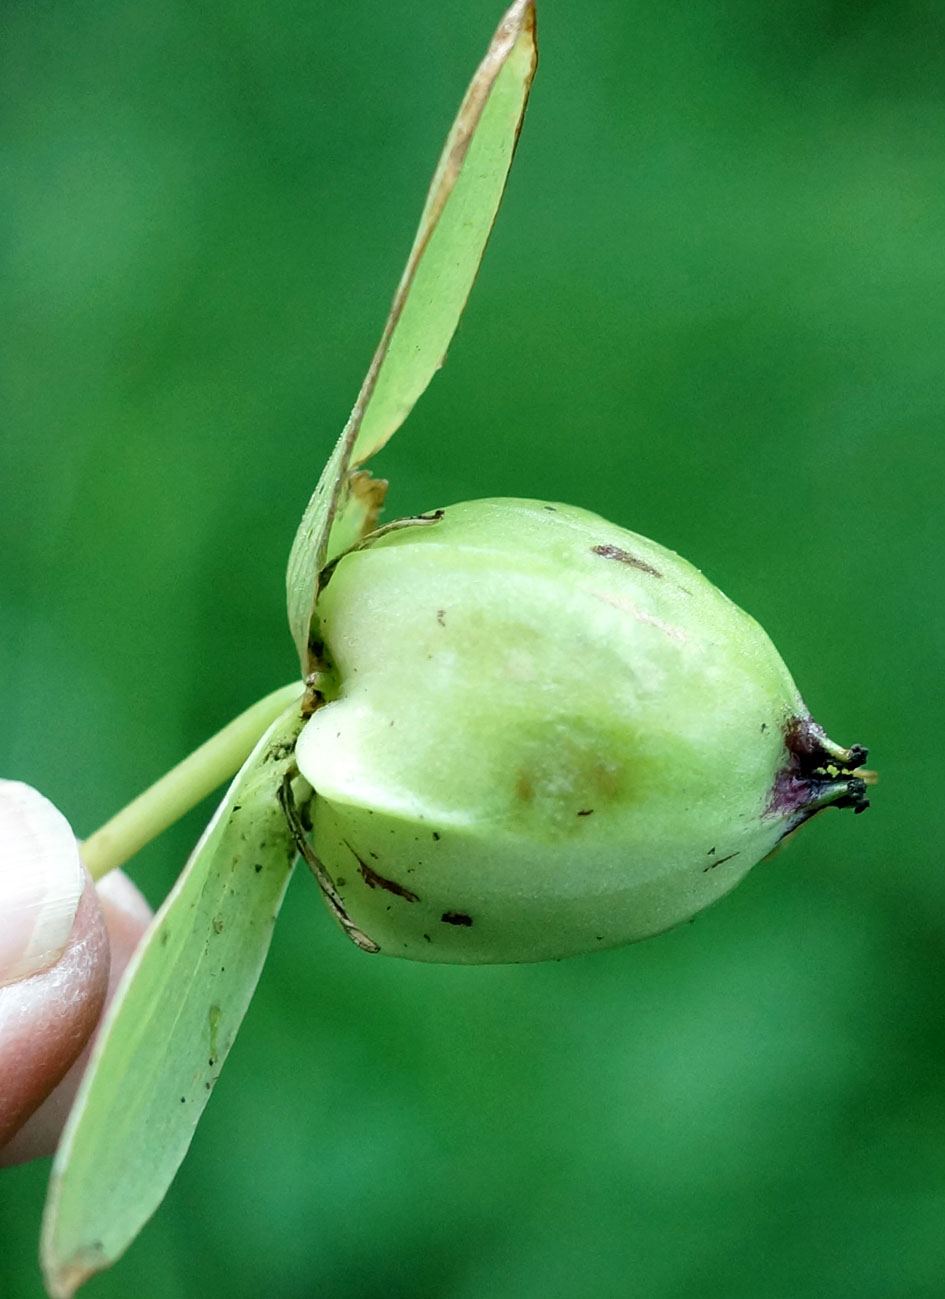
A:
<point x="714" y="311"/>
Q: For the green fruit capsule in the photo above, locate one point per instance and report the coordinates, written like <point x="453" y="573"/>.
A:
<point x="546" y="735"/>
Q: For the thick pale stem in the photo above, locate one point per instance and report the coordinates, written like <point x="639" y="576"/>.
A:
<point x="183" y="786"/>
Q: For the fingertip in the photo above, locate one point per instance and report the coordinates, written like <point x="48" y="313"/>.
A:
<point x="126" y="915"/>
<point x="47" y="1018"/>
<point x="41" y="881"/>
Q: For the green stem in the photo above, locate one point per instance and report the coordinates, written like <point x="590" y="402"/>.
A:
<point x="183" y="786"/>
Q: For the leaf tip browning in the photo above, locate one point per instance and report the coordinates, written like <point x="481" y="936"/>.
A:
<point x="63" y="1277"/>
<point x="521" y="19"/>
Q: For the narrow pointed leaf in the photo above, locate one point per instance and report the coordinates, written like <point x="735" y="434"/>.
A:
<point x="171" y="1025"/>
<point x="454" y="227"/>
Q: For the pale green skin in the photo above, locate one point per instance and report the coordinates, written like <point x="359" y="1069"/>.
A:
<point x="557" y="744"/>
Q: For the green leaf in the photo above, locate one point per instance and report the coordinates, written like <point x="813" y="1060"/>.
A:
<point x="171" y="1024"/>
<point x="451" y="238"/>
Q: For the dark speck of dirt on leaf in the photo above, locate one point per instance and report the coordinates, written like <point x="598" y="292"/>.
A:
<point x="258" y="867"/>
<point x="217" y="923"/>
<point x="441" y="617"/>
<point x="712" y="864"/>
<point x="436" y="835"/>
<point x="214" y="1016"/>
<point x="624" y="557"/>
<point x="589" y="811"/>
<point x="456" y="918"/>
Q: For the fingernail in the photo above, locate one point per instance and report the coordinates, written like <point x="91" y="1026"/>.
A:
<point x="41" y="881"/>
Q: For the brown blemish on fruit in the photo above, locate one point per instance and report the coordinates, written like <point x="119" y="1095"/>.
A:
<point x="456" y="918"/>
<point x="524" y="789"/>
<point x="607" y="779"/>
<point x="375" y="881"/>
<point x="624" y="557"/>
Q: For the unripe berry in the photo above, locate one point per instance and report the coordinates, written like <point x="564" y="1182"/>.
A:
<point x="545" y="735"/>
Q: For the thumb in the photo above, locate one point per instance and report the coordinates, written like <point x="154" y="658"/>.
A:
<point x="53" y="952"/>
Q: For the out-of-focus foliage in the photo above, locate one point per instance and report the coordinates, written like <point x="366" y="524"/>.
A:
<point x="714" y="311"/>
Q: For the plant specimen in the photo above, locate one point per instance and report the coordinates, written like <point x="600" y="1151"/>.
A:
<point x="520" y="733"/>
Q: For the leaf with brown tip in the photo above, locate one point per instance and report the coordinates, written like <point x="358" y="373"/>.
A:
<point x="454" y="227"/>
